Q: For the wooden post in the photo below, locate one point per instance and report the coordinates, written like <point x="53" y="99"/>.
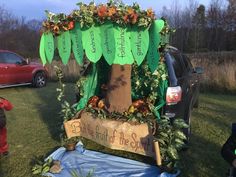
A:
<point x="158" y="154"/>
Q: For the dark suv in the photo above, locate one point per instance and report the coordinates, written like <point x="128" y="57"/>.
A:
<point x="183" y="91"/>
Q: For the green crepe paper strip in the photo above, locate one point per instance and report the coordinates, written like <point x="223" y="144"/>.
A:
<point x="139" y="44"/>
<point x="163" y="84"/>
<point x="77" y="47"/>
<point x="89" y="88"/>
<point x="42" y="50"/>
<point x="49" y="46"/>
<point x="123" y="54"/>
<point x="153" y="55"/>
<point x="92" y="43"/>
<point x="108" y="42"/>
<point x="64" y="46"/>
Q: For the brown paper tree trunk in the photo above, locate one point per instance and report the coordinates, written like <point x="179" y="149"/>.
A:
<point x="118" y="97"/>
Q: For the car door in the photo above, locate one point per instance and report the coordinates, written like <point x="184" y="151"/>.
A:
<point x="5" y="75"/>
<point x="184" y="78"/>
<point x="17" y="69"/>
<point x="193" y="77"/>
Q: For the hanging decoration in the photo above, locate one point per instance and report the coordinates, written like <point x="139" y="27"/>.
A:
<point x="92" y="43"/>
<point x="120" y="33"/>
<point x="123" y="53"/>
<point x="139" y="43"/>
<point x="64" y="46"/>
<point x="49" y="46"/>
<point x="77" y="48"/>
<point x="42" y="50"/>
<point x="108" y="42"/>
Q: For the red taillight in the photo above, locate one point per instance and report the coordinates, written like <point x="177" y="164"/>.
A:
<point x="173" y="95"/>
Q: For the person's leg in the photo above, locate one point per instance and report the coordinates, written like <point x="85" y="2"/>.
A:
<point x="3" y="140"/>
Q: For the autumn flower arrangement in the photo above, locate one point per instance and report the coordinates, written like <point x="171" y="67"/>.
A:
<point x="91" y="14"/>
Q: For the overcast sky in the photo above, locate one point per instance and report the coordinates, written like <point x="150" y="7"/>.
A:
<point x="34" y="9"/>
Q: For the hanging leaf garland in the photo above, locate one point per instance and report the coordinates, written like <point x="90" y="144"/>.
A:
<point x="42" y="50"/>
<point x="77" y="47"/>
<point x="97" y="24"/>
<point x="153" y="55"/>
<point x="64" y="46"/>
<point x="123" y="54"/>
<point x="159" y="24"/>
<point x="108" y="42"/>
<point x="139" y="43"/>
<point x="92" y="43"/>
<point x="49" y="46"/>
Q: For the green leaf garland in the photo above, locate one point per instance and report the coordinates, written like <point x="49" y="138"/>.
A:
<point x="49" y="46"/>
<point x="108" y="42"/>
<point x="123" y="54"/>
<point x="92" y="43"/>
<point x="153" y="55"/>
<point x="42" y="50"/>
<point x="64" y="46"/>
<point x="77" y="47"/>
<point x="139" y="43"/>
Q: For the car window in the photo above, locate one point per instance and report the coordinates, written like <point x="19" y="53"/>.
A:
<point x="188" y="65"/>
<point x="12" y="58"/>
<point x="2" y="59"/>
<point x="176" y="62"/>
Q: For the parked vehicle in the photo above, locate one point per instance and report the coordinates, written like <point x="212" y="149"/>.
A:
<point x="183" y="90"/>
<point x="15" y="71"/>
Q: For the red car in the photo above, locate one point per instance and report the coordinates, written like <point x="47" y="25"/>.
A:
<point x="15" y="71"/>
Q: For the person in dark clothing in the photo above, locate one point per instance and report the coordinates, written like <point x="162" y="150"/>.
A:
<point x="228" y="150"/>
<point x="4" y="105"/>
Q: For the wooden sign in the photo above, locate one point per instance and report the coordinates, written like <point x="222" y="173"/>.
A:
<point x="113" y="134"/>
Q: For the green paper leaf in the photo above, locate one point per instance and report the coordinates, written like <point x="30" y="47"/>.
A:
<point x="123" y="54"/>
<point x="42" y="49"/>
<point x="153" y="55"/>
<point x="159" y="24"/>
<point x="92" y="43"/>
<point x="139" y="44"/>
<point x="108" y="42"/>
<point x="77" y="47"/>
<point x="64" y="46"/>
<point x="49" y="46"/>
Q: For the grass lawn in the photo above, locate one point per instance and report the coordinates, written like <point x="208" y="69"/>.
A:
<point x="34" y="127"/>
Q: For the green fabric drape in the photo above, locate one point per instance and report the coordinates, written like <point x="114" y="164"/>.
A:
<point x="89" y="88"/>
<point x="162" y="98"/>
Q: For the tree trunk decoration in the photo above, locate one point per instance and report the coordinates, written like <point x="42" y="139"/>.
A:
<point x="118" y="98"/>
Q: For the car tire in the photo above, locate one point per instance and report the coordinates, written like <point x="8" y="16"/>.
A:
<point x="39" y="80"/>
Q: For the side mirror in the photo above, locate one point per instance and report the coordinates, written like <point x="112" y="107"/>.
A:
<point x="199" y="70"/>
<point x="27" y="61"/>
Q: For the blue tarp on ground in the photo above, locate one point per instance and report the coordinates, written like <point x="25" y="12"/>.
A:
<point x="103" y="165"/>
